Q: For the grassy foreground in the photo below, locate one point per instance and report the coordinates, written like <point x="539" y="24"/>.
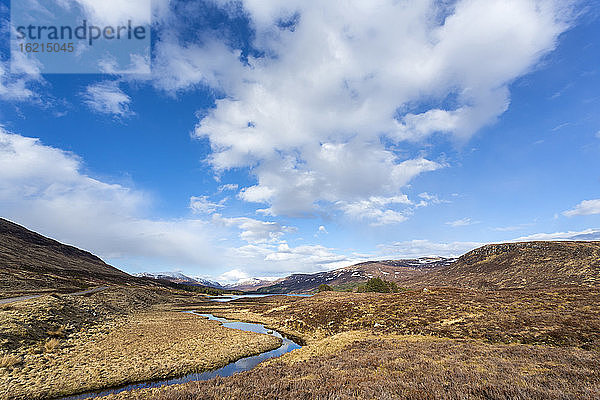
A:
<point x="361" y="365"/>
<point x="139" y="346"/>
<point x="422" y="344"/>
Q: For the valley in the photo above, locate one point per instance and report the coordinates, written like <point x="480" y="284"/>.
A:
<point x="507" y="321"/>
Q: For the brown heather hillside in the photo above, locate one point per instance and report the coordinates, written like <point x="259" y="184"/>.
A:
<point x="519" y="265"/>
<point x="32" y="263"/>
<point x="348" y="278"/>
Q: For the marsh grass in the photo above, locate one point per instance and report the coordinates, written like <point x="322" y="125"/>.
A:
<point x="57" y="332"/>
<point x="363" y="365"/>
<point x="51" y="345"/>
<point x="558" y="317"/>
<point x="9" y="360"/>
<point x="142" y="347"/>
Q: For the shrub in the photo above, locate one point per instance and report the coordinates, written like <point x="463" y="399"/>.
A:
<point x="50" y="345"/>
<point x="324" y="288"/>
<point x="378" y="285"/>
<point x="58" y="332"/>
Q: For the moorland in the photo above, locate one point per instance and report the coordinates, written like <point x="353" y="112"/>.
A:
<point x="505" y="321"/>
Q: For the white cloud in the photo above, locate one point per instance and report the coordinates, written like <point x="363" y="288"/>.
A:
<point x="424" y="248"/>
<point x="588" y="234"/>
<point x="108" y="98"/>
<point x="232" y="276"/>
<point x="45" y="189"/>
<point x="202" y="205"/>
<point x="252" y="230"/>
<point x="18" y="79"/>
<point x="586" y="207"/>
<point x="428" y="199"/>
<point x="308" y="117"/>
<point x="461" y="222"/>
<point x="376" y="209"/>
<point x="322" y="229"/>
<point x="228" y="187"/>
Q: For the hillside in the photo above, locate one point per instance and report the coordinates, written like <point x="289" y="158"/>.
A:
<point x="519" y="265"/>
<point x="348" y="277"/>
<point x="32" y="263"/>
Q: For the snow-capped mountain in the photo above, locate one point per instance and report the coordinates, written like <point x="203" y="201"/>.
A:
<point x="178" y="277"/>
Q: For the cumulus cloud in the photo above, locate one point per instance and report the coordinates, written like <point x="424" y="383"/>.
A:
<point x="45" y="189"/>
<point x="252" y="230"/>
<point x="308" y="117"/>
<point x="328" y="91"/>
<point x="376" y="209"/>
<point x="586" y="207"/>
<point x="108" y="98"/>
<point x="202" y="205"/>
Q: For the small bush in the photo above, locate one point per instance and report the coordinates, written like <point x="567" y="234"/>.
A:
<point x="58" y="332"/>
<point x="378" y="285"/>
<point x="324" y="288"/>
<point x="51" y="345"/>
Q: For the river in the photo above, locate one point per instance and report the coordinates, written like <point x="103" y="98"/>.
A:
<point x="243" y="364"/>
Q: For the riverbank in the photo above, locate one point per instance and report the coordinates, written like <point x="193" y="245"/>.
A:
<point x="363" y="365"/>
<point x="141" y="345"/>
<point x="439" y="343"/>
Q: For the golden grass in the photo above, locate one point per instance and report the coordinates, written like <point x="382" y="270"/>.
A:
<point x="557" y="317"/>
<point x="51" y="345"/>
<point x="363" y="365"/>
<point x="57" y="332"/>
<point x="9" y="360"/>
<point x="142" y="347"/>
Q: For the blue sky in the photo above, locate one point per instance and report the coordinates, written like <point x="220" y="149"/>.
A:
<point x="269" y="139"/>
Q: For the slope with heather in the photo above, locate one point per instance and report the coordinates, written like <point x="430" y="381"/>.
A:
<point x="32" y="263"/>
<point x="519" y="265"/>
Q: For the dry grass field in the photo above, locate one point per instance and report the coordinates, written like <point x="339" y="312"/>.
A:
<point x="568" y="316"/>
<point x="141" y="347"/>
<point x="363" y="365"/>
<point x="438" y="343"/>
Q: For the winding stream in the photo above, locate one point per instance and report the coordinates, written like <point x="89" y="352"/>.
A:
<point x="243" y="364"/>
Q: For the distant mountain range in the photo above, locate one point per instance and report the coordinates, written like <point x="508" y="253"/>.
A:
<point x="32" y="263"/>
<point x="349" y="277"/>
<point x="300" y="283"/>
<point x="178" y="277"/>
<point x="538" y="264"/>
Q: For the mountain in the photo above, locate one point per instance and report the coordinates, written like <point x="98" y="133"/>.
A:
<point x="32" y="263"/>
<point x="518" y="265"/>
<point x="348" y="277"/>
<point x="209" y="283"/>
<point x="252" y="284"/>
<point x="177" y="277"/>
